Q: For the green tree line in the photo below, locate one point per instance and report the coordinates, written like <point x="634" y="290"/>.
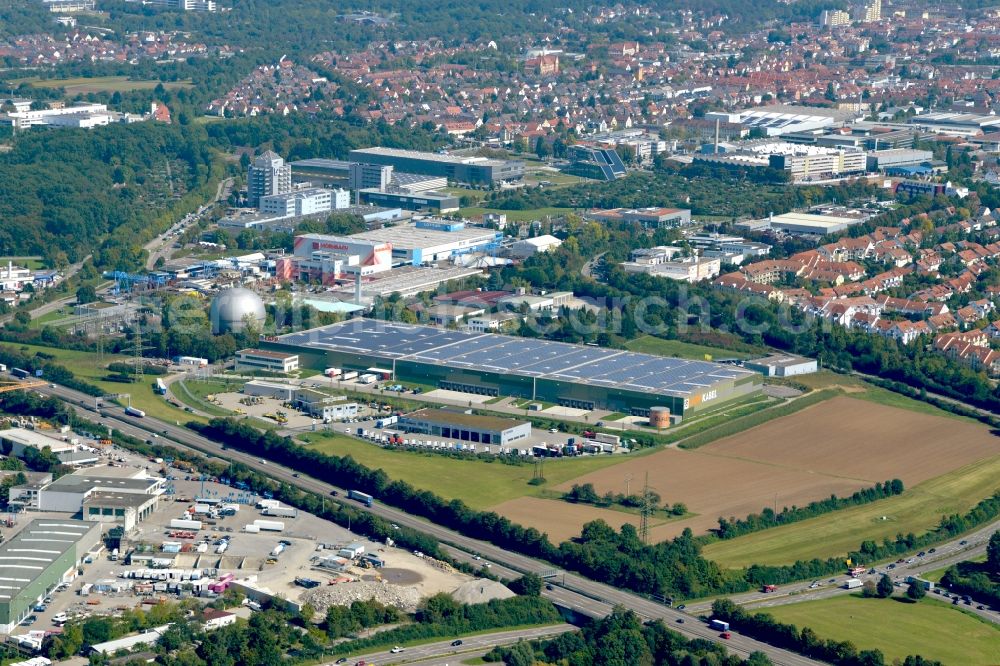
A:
<point x="767" y="518"/>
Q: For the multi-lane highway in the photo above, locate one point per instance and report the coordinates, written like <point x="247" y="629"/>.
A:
<point x="945" y="555"/>
<point x="445" y="652"/>
<point x="567" y="589"/>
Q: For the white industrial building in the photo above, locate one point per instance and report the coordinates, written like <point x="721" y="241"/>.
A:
<point x="80" y="116"/>
<point x="270" y="361"/>
<point x="779" y="119"/>
<point x="685" y="269"/>
<point x="783" y="365"/>
<point x="275" y="390"/>
<point x="532" y="246"/>
<point x="307" y="201"/>
<point x="64" y="444"/>
<point x="431" y="240"/>
<point x="811" y="224"/>
<point x="326" y="407"/>
<point x="103" y="488"/>
<point x="803" y="162"/>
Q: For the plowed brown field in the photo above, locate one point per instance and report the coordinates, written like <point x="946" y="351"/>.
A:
<point x="834" y="447"/>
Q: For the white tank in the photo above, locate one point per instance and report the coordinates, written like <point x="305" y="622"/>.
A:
<point x="233" y="308"/>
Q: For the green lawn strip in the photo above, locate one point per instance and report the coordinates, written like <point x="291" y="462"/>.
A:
<point x="882" y="396"/>
<point x="101" y="84"/>
<point x="649" y="344"/>
<point x="86" y="366"/>
<point x="917" y="510"/>
<point x="193" y="394"/>
<point x="31" y="262"/>
<point x="516" y="215"/>
<point x="51" y="317"/>
<point x="930" y="628"/>
<point x="479" y="483"/>
<point x="737" y="425"/>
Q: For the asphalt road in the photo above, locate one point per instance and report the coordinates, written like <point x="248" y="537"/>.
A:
<point x="568" y="590"/>
<point x="444" y="652"/>
<point x="943" y="556"/>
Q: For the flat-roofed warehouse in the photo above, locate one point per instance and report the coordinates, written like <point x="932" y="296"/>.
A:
<point x="489" y="364"/>
<point x="43" y="554"/>
<point x="466" y="427"/>
<point x="456" y="168"/>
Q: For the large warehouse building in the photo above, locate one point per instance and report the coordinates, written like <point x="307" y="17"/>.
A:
<point x="43" y="554"/>
<point x="457" y="169"/>
<point x="489" y="364"/>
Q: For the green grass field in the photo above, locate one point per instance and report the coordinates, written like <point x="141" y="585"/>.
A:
<point x="33" y="262"/>
<point x="193" y="394"/>
<point x="85" y="366"/>
<point x="649" y="344"/>
<point x="478" y="483"/>
<point x="929" y="628"/>
<point x="917" y="510"/>
<point x="84" y="85"/>
<point x="517" y="215"/>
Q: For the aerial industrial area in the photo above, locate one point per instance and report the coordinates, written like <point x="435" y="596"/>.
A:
<point x="522" y="333"/>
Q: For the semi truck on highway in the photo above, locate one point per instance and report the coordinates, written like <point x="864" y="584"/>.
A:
<point x="719" y="625"/>
<point x="159" y="387"/>
<point x="853" y="584"/>
<point x="132" y="411"/>
<point x="364" y="498"/>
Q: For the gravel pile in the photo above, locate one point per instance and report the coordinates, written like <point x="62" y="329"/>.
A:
<point x="342" y="594"/>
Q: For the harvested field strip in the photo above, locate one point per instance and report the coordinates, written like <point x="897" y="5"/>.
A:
<point x="917" y="510"/>
<point x="755" y="418"/>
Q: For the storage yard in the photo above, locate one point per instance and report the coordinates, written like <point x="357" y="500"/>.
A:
<point x="205" y="537"/>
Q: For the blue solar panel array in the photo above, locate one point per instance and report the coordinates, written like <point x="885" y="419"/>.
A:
<point x="489" y="352"/>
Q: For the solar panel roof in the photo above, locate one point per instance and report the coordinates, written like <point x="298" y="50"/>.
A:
<point x="527" y="357"/>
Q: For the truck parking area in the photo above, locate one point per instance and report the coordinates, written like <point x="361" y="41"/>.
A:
<point x="205" y="537"/>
